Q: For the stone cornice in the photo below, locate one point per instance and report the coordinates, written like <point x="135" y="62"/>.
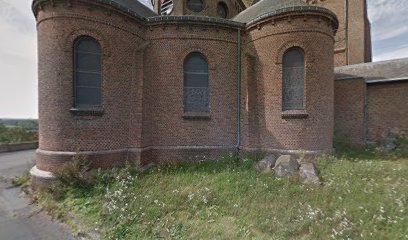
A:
<point x="301" y="11"/>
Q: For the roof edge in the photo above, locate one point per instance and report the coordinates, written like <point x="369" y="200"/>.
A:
<point x="367" y="64"/>
<point x="296" y="9"/>
<point x="196" y="19"/>
<point x="113" y="4"/>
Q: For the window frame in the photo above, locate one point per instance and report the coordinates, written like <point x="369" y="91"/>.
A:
<point x="168" y="10"/>
<point x="87" y="109"/>
<point x="225" y="8"/>
<point x="187" y="112"/>
<point x="285" y="107"/>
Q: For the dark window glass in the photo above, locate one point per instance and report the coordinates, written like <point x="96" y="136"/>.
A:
<point x="293" y="79"/>
<point x="196" y="93"/>
<point x="195" y="5"/>
<point x="87" y="73"/>
<point x="222" y="10"/>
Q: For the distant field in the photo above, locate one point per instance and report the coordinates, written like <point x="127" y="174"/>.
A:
<point x="28" y="124"/>
<point x="18" y="130"/>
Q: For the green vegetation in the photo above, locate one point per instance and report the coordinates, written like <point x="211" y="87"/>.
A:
<point x="28" y="124"/>
<point x="364" y="195"/>
<point x="23" y="181"/>
<point x="16" y="135"/>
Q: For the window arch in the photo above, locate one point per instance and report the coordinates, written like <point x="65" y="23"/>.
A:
<point x="293" y="79"/>
<point x="87" y="73"/>
<point x="196" y="91"/>
<point x="222" y="10"/>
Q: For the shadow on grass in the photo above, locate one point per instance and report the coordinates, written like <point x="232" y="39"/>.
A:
<point x="225" y="164"/>
<point x="370" y="152"/>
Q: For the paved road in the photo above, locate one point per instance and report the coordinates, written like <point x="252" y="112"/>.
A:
<point x="18" y="218"/>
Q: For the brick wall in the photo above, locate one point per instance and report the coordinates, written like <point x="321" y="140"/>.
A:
<point x="163" y="71"/>
<point x="142" y="87"/>
<point x="264" y="123"/>
<point x="349" y="107"/>
<point x="62" y="130"/>
<point x="387" y="109"/>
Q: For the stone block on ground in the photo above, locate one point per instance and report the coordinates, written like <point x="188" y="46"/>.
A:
<point x="266" y="164"/>
<point x="308" y="173"/>
<point x="286" y="165"/>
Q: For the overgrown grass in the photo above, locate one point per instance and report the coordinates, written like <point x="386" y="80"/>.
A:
<point x="364" y="196"/>
<point x="23" y="181"/>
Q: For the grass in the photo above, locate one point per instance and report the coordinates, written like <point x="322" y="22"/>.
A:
<point x="23" y="181"/>
<point x="364" y="195"/>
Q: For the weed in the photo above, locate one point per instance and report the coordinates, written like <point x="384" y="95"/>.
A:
<point x="364" y="196"/>
<point x="76" y="173"/>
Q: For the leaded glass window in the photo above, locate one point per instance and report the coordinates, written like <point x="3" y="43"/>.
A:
<point x="87" y="73"/>
<point x="166" y="7"/>
<point x="196" y="93"/>
<point x="293" y="79"/>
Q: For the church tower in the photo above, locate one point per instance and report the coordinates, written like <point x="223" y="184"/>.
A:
<point x="353" y="38"/>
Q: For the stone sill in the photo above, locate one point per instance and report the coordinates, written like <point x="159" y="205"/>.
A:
<point x="295" y="114"/>
<point x="197" y="115"/>
<point x="96" y="111"/>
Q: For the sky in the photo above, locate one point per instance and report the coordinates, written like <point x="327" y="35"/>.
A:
<point x="18" y="49"/>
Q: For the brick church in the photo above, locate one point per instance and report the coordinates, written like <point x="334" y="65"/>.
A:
<point x="196" y="79"/>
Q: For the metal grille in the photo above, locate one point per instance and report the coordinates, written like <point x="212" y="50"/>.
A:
<point x="293" y="79"/>
<point x="196" y="92"/>
<point x="87" y="72"/>
<point x="166" y="7"/>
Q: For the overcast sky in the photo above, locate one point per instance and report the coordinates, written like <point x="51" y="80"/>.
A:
<point x="18" y="54"/>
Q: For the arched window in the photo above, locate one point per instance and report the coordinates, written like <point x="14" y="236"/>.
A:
<point x="196" y="83"/>
<point x="87" y="73"/>
<point x="293" y="79"/>
<point x="222" y="10"/>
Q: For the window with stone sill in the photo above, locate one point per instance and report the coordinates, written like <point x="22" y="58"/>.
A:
<point x="196" y="90"/>
<point x="87" y="75"/>
<point x="293" y="80"/>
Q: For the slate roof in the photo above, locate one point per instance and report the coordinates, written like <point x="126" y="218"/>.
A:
<point x="133" y="7"/>
<point x="267" y="8"/>
<point x="136" y="7"/>
<point x="375" y="72"/>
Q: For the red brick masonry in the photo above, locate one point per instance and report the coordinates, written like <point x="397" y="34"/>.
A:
<point x="142" y="117"/>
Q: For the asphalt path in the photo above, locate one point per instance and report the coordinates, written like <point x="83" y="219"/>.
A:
<point x="20" y="219"/>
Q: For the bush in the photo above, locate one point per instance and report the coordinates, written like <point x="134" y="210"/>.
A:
<point x="16" y="135"/>
<point x="76" y="173"/>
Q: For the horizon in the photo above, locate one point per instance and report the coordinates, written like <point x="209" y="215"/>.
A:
<point x="18" y="55"/>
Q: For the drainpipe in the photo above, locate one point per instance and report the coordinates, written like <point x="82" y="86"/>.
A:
<point x="238" y="90"/>
<point x="346" y="3"/>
